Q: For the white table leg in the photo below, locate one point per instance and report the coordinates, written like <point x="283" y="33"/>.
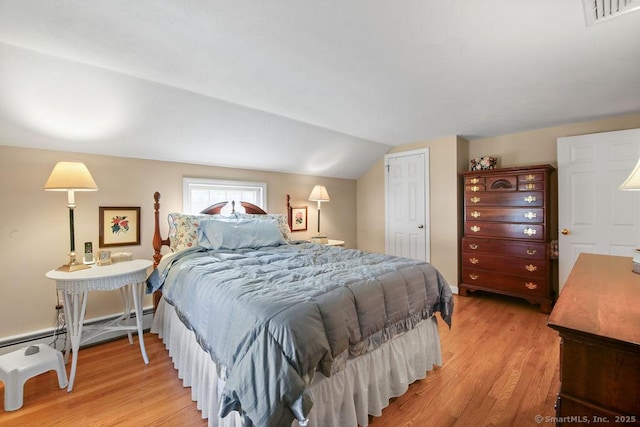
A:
<point x="126" y="302"/>
<point x="137" y="290"/>
<point x="75" y="306"/>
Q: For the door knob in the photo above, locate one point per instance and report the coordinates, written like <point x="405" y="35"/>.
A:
<point x="420" y="226"/>
<point x="565" y="231"/>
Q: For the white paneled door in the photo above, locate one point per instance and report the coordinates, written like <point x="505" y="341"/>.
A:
<point x="594" y="216"/>
<point x="407" y="201"/>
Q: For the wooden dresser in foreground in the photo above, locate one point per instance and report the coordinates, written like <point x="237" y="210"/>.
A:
<point x="507" y="233"/>
<point x="598" y="318"/>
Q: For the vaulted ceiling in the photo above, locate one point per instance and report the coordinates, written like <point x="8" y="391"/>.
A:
<point x="303" y="86"/>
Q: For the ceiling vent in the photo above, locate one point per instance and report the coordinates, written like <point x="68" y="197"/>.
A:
<point x="601" y="10"/>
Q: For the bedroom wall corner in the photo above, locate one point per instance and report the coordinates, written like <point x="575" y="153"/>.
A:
<point x="463" y="165"/>
<point x="443" y="154"/>
<point x="370" y="209"/>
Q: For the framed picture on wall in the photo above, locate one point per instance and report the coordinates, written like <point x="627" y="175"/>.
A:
<point x="298" y="218"/>
<point x="119" y="226"/>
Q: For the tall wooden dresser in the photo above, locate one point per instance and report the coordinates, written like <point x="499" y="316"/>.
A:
<point x="506" y="242"/>
<point x="598" y="318"/>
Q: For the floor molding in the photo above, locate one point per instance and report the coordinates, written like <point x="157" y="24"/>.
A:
<point x="57" y="340"/>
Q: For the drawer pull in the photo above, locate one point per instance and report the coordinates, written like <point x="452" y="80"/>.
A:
<point x="530" y="199"/>
<point x="474" y="180"/>
<point x="475" y="200"/>
<point x="531" y="251"/>
<point x="531" y="285"/>
<point x="530" y="186"/>
<point x="473" y="246"/>
<point x="530" y="215"/>
<point x="475" y="188"/>
<point x="473" y="276"/>
<point x="474" y="260"/>
<point x="475" y="214"/>
<point x="531" y="267"/>
<point x="529" y="231"/>
<point x="475" y="228"/>
<point x="530" y="177"/>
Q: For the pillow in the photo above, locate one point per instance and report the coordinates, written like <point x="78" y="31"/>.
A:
<point x="183" y="229"/>
<point x="245" y="233"/>
<point x="282" y="221"/>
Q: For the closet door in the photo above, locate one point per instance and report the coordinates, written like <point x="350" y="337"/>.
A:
<point x="407" y="227"/>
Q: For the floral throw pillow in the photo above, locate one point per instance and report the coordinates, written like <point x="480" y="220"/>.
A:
<point x="183" y="230"/>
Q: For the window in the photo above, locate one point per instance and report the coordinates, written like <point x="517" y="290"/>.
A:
<point x="199" y="194"/>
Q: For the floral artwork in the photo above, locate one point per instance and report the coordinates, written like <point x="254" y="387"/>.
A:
<point x="119" y="226"/>
<point x="298" y="218"/>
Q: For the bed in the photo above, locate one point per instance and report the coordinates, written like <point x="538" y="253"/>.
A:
<point x="269" y="331"/>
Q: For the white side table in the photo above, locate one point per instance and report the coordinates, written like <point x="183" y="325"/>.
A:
<point x="333" y="242"/>
<point x="128" y="276"/>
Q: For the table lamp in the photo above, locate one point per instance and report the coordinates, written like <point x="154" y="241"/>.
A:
<point x="319" y="194"/>
<point x="71" y="177"/>
<point x="633" y="180"/>
<point x="632" y="183"/>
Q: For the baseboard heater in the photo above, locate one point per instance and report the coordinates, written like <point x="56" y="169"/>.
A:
<point x="56" y="336"/>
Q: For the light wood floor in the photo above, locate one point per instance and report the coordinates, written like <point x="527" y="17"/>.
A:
<point x="500" y="368"/>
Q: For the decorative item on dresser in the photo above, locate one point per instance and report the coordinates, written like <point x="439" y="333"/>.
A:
<point x="506" y="242"/>
<point x="598" y="318"/>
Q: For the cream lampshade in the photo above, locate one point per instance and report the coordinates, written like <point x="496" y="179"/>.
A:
<point x="71" y="177"/>
<point x="633" y="180"/>
<point x="632" y="183"/>
<point x="319" y="194"/>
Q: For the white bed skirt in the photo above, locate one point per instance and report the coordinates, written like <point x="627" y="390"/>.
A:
<point x="364" y="387"/>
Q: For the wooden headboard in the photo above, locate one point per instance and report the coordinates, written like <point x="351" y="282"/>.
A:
<point x="159" y="242"/>
<point x="249" y="208"/>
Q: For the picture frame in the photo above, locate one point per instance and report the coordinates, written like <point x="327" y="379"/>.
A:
<point x="298" y="218"/>
<point x="119" y="226"/>
<point x="104" y="257"/>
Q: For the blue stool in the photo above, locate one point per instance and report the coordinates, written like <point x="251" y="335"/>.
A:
<point x="18" y="366"/>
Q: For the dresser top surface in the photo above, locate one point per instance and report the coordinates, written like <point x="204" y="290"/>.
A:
<point x="511" y="170"/>
<point x="601" y="298"/>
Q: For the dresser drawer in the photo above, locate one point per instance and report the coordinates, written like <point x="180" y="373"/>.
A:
<point x="529" y="268"/>
<point x="473" y="180"/>
<point x="502" y="183"/>
<point x="505" y="282"/>
<point x="531" y="186"/>
<point x="474" y="188"/>
<point x="513" y="199"/>
<point x="530" y="177"/>
<point x="505" y="230"/>
<point x="531" y="250"/>
<point x="522" y="215"/>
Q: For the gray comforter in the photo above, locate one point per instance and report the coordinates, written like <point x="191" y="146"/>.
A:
<point x="272" y="317"/>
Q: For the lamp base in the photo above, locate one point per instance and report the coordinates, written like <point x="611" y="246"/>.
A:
<point x="321" y="239"/>
<point x="72" y="265"/>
